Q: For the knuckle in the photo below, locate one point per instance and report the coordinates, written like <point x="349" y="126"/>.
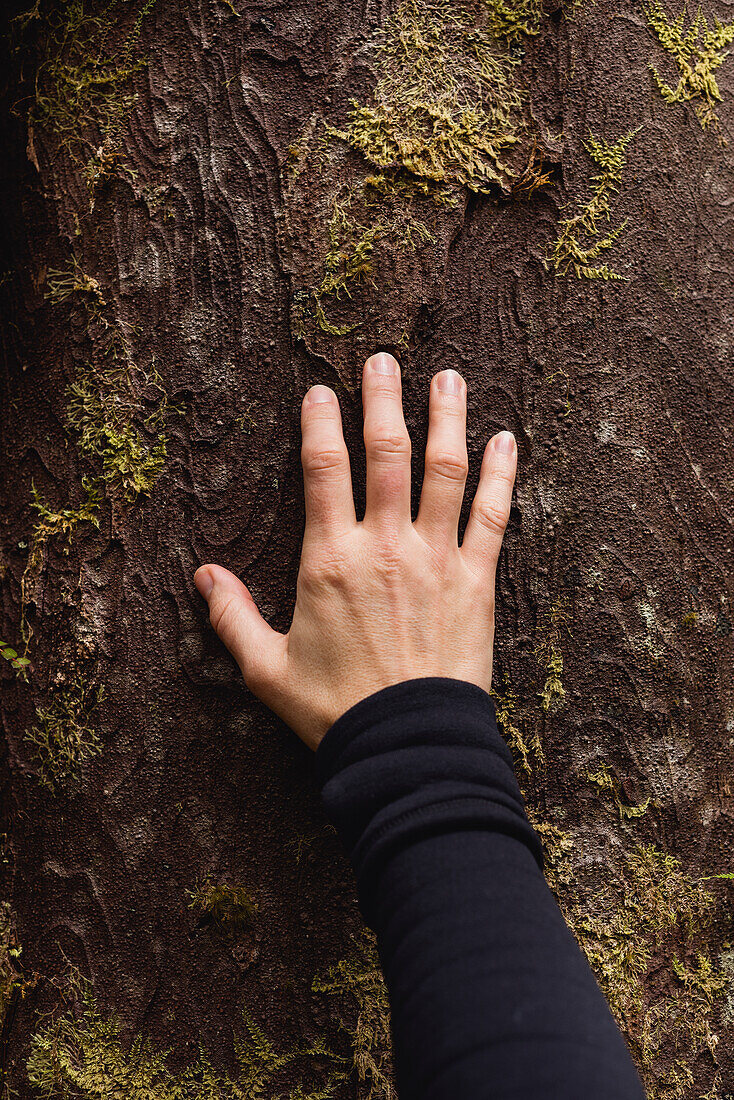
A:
<point x="328" y="567"/>
<point x="223" y="616"/>
<point x="492" y="515"/>
<point x="449" y="466"/>
<point x="323" y="459"/>
<point x="387" y="442"/>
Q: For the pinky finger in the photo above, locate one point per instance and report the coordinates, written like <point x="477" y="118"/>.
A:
<point x="490" y="509"/>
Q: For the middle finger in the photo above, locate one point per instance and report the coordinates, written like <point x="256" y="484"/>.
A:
<point x="386" y="441"/>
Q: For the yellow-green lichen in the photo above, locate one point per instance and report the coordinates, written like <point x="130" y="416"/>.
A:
<point x="642" y="934"/>
<point x="506" y="707"/>
<point x="697" y="53"/>
<point x="101" y="405"/>
<point x="80" y="1054"/>
<point x="53" y="524"/>
<point x="109" y="393"/>
<point x="63" y="283"/>
<point x="605" y="779"/>
<point x="580" y="240"/>
<point x="228" y="903"/>
<point x="550" y="658"/>
<point x="352" y="242"/>
<point x="64" y="736"/>
<point x="359" y="982"/>
<point x="13" y="983"/>
<point x="446" y="105"/>
<point x="83" y="84"/>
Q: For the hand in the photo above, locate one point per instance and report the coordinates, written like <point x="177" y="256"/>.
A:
<point x="382" y="600"/>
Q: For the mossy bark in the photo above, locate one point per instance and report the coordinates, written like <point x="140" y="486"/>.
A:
<point x="217" y="226"/>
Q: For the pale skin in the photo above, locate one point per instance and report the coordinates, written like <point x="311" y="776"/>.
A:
<point x="385" y="599"/>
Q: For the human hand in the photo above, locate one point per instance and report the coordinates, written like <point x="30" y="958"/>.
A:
<point x="385" y="599"/>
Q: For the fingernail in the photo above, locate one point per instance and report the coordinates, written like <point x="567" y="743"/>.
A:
<point x="449" y="382"/>
<point x="204" y="582"/>
<point x="319" y="395"/>
<point x="382" y="363"/>
<point x="504" y="444"/>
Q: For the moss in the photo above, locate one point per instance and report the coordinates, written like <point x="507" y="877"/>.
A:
<point x="605" y="779"/>
<point x="359" y="980"/>
<point x="580" y="240"/>
<point x="550" y="658"/>
<point x="227" y="903"/>
<point x="83" y="84"/>
<point x="13" y="983"/>
<point x="558" y="844"/>
<point x="697" y="53"/>
<point x="80" y="1054"/>
<point x="446" y="106"/>
<point x="353" y="237"/>
<point x="640" y="934"/>
<point x="64" y="737"/>
<point x="64" y="283"/>
<point x="53" y="524"/>
<point x="100" y="410"/>
<point x="506" y="706"/>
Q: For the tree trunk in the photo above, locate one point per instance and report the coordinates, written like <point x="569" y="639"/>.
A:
<point x="210" y="207"/>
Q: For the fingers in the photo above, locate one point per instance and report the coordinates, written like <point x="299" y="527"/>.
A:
<point x="327" y="479"/>
<point x="258" y="649"/>
<point x="446" y="460"/>
<point x="387" y="443"/>
<point x="490" y="509"/>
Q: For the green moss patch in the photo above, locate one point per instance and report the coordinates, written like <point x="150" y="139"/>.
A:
<point x="643" y="930"/>
<point x="526" y="750"/>
<point x="358" y="985"/>
<point x="550" y="658"/>
<point x="83" y="93"/>
<point x="80" y="1053"/>
<point x="64" y="736"/>
<point x="226" y="903"/>
<point x="582" y="239"/>
<point x="697" y="53"/>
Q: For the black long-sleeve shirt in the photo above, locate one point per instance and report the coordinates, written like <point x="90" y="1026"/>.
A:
<point x="491" y="998"/>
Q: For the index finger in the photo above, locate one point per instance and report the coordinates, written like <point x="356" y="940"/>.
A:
<point x="327" y="478"/>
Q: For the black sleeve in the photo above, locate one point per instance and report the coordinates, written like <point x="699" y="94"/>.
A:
<point x="491" y="997"/>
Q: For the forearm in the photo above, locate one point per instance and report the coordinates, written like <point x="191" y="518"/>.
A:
<point x="490" y="995"/>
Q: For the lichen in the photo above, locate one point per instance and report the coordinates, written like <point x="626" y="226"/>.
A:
<point x="605" y="779"/>
<point x="506" y="707"/>
<point x="580" y="240"/>
<point x="64" y="736"/>
<point x="83" y="83"/>
<point x="228" y="903"/>
<point x="445" y="107"/>
<point x="697" y="53"/>
<point x="65" y="282"/>
<point x="109" y="393"/>
<point x="53" y="524"/>
<point x="359" y="982"/>
<point x="79" y="1053"/>
<point x="550" y="658"/>
<point x="352" y="242"/>
<point x="13" y="983"/>
<point x="648" y="922"/>
<point x="101" y="405"/>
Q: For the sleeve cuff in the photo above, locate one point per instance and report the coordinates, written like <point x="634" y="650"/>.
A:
<point x="414" y="760"/>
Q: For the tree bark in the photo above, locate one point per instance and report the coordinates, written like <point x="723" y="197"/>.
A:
<point x="209" y="208"/>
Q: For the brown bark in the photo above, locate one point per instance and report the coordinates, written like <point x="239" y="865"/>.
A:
<point x="204" y="223"/>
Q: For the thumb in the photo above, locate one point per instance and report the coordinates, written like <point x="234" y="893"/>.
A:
<point x="257" y="648"/>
